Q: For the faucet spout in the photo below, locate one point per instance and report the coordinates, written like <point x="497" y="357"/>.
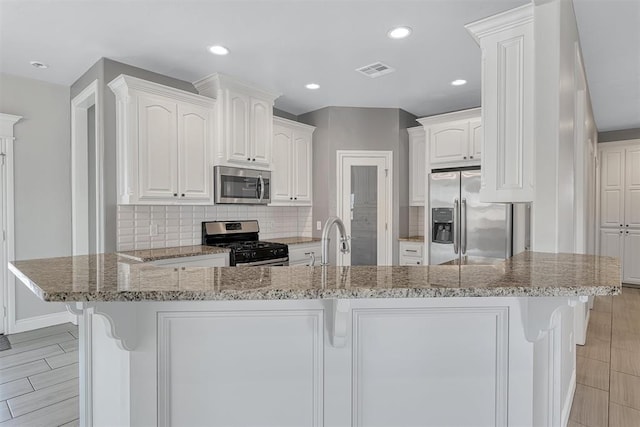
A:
<point x="344" y="239"/>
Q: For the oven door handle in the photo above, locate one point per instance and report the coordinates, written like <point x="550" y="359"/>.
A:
<point x="260" y="187"/>
<point x="280" y="261"/>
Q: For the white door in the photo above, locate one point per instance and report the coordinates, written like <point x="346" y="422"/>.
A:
<point x="612" y="188"/>
<point x="302" y="166"/>
<point x="157" y="148"/>
<point x="611" y="242"/>
<point x="632" y="190"/>
<point x="449" y="142"/>
<point x="194" y="141"/>
<point x="4" y="276"/>
<point x="282" y="168"/>
<point x="364" y="206"/>
<point x="631" y="265"/>
<point x="475" y="139"/>
<point x="237" y="128"/>
<point x="261" y="132"/>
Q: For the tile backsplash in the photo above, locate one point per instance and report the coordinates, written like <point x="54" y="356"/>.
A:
<point x="416" y="221"/>
<point x="181" y="225"/>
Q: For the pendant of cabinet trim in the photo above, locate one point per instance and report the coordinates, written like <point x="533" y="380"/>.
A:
<point x="292" y="163"/>
<point x="164" y="144"/>
<point x="245" y="126"/>
<point x="418" y="166"/>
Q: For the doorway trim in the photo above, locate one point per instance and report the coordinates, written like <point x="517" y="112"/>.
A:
<point x="7" y="293"/>
<point x="80" y="104"/>
<point x="341" y="156"/>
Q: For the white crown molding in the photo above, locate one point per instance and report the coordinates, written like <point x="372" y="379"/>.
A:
<point x="416" y="130"/>
<point x="472" y="113"/>
<point x="213" y="83"/>
<point x="500" y="22"/>
<point x="123" y="85"/>
<point x="6" y="124"/>
<point x="292" y="123"/>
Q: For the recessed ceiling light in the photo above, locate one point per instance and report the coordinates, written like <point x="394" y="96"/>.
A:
<point x="39" y="64"/>
<point x="312" y="86"/>
<point x="458" y="82"/>
<point x="218" y="50"/>
<point x="399" y="32"/>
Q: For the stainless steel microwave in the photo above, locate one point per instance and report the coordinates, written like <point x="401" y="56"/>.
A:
<point x="242" y="186"/>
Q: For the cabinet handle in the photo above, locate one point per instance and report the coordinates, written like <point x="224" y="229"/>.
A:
<point x="248" y="159"/>
<point x="182" y="195"/>
<point x="411" y="250"/>
<point x="620" y="225"/>
<point x="254" y="160"/>
<point x="418" y="263"/>
<point x="290" y="198"/>
<point x="627" y="232"/>
<point x="471" y="157"/>
<point x="175" y="194"/>
<point x="295" y="198"/>
<point x="465" y="157"/>
<point x="621" y="231"/>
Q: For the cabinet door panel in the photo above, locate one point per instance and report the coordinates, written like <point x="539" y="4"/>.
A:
<point x="611" y="243"/>
<point x="417" y="167"/>
<point x="632" y="187"/>
<point x="449" y="142"/>
<point x="194" y="141"/>
<point x="631" y="266"/>
<point x="475" y="139"/>
<point x="237" y="131"/>
<point x="157" y="148"/>
<point x="282" y="169"/>
<point x="261" y="132"/>
<point x="612" y="181"/>
<point x="302" y="166"/>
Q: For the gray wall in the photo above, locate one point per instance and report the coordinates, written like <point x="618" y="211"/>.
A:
<point x="619" y="135"/>
<point x="285" y="115"/>
<point x="105" y="70"/>
<point x="349" y="128"/>
<point x="42" y="177"/>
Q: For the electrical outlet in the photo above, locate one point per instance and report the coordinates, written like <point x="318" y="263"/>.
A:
<point x="153" y="229"/>
<point x="319" y="225"/>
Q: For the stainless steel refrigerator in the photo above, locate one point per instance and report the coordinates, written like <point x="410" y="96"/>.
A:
<point x="463" y="229"/>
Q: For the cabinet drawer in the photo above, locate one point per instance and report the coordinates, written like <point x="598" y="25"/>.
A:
<point x="304" y="254"/>
<point x="411" y="250"/>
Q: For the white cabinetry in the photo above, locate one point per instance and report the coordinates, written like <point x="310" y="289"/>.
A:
<point x="164" y="144"/>
<point x="411" y="253"/>
<point x="246" y="121"/>
<point x="417" y="165"/>
<point x="304" y="254"/>
<point x="454" y="139"/>
<point x="506" y="41"/>
<point x="620" y="206"/>
<point x="292" y="162"/>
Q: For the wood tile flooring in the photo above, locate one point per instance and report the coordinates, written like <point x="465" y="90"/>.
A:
<point x="39" y="375"/>
<point x="608" y="366"/>
<point x="39" y="378"/>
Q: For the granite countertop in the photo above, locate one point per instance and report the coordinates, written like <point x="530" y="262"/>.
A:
<point x="109" y="277"/>
<point x="296" y="240"/>
<point x="146" y="255"/>
<point x="412" y="239"/>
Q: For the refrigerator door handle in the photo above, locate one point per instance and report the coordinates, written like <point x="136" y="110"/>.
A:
<point x="456" y="224"/>
<point x="463" y="227"/>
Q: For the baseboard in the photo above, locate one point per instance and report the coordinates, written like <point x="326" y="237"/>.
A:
<point x="566" y="408"/>
<point x="38" y="322"/>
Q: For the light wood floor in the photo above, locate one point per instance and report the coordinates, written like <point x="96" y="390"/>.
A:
<point x="39" y="378"/>
<point x="39" y="375"/>
<point x="608" y="366"/>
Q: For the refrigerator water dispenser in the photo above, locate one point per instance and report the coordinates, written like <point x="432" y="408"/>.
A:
<point x="442" y="225"/>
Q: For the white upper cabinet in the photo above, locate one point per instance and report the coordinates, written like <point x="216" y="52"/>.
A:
<point x="506" y="42"/>
<point x="292" y="160"/>
<point x="612" y="188"/>
<point x="245" y="133"/>
<point x="417" y="165"/>
<point x="164" y="144"/>
<point x="454" y="139"/>
<point x="632" y="189"/>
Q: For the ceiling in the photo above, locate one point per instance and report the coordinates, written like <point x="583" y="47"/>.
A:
<point x="283" y="45"/>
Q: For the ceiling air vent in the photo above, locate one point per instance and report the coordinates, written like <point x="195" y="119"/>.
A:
<point x="376" y="69"/>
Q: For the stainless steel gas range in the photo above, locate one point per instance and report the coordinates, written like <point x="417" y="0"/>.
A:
<point x="242" y="239"/>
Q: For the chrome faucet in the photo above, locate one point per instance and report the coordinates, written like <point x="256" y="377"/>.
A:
<point x="344" y="239"/>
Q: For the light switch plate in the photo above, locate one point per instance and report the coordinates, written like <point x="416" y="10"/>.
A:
<point x="319" y="225"/>
<point x="153" y="229"/>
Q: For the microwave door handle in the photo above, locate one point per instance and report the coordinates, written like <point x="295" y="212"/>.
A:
<point x="260" y="188"/>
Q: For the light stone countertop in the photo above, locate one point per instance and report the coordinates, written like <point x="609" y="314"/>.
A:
<point x="412" y="239"/>
<point x="146" y="255"/>
<point x="296" y="240"/>
<point x="109" y="277"/>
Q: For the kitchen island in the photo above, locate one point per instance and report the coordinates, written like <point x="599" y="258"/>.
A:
<point x="461" y="345"/>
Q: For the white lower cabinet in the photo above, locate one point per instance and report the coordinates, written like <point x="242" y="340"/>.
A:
<point x="292" y="163"/>
<point x="411" y="253"/>
<point x="305" y="254"/>
<point x="631" y="264"/>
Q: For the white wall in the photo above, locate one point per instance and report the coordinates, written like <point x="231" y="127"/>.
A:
<point x="42" y="177"/>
